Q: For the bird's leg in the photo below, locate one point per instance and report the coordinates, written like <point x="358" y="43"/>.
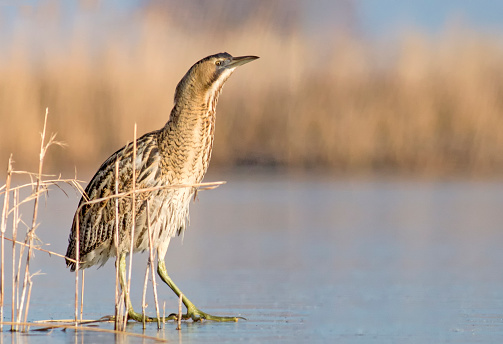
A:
<point x="192" y="311"/>
<point x="122" y="275"/>
<point x="129" y="306"/>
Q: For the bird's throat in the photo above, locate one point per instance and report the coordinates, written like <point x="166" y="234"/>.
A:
<point x="185" y="144"/>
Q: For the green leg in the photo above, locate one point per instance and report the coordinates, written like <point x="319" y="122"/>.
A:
<point x="192" y="311"/>
<point x="131" y="313"/>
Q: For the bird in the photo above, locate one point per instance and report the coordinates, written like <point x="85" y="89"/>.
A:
<point x="177" y="154"/>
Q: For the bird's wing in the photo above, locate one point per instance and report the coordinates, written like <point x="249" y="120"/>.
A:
<point x="97" y="221"/>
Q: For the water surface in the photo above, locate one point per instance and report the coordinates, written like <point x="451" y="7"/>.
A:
<point x="308" y="260"/>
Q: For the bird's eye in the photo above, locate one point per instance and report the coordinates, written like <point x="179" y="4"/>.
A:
<point x="218" y="63"/>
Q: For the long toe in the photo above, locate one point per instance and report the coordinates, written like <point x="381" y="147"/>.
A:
<point x="197" y="315"/>
<point x="139" y="317"/>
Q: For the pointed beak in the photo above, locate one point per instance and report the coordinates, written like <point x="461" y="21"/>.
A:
<point x="241" y="60"/>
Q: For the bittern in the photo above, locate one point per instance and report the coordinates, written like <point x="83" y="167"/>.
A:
<point x="177" y="154"/>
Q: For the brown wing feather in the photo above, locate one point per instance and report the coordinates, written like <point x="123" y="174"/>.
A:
<point x="97" y="221"/>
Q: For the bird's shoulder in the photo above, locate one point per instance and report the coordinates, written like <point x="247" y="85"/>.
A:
<point x="147" y="167"/>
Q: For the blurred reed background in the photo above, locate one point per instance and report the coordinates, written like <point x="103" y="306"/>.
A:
<point x="334" y="99"/>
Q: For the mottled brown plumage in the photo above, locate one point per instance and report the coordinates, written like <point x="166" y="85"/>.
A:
<point x="178" y="153"/>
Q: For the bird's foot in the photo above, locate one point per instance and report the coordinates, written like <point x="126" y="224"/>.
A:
<point x="139" y="317"/>
<point x="197" y="315"/>
<point x="132" y="315"/>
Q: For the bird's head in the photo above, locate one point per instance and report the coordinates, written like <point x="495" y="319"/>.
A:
<point x="206" y="77"/>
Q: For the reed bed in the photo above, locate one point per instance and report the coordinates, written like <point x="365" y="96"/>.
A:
<point x="336" y="100"/>
<point x="11" y="216"/>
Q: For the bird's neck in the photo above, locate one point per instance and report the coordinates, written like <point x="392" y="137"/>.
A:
<point x="186" y="141"/>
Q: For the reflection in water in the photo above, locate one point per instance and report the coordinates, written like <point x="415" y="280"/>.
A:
<point x="310" y="260"/>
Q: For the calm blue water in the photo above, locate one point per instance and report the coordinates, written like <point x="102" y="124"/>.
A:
<point x="308" y="259"/>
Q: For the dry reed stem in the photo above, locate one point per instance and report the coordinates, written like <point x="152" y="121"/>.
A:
<point x="122" y="309"/>
<point x="3" y="228"/>
<point x="39" y="188"/>
<point x="16" y="272"/>
<point x="77" y="263"/>
<point x="16" y="282"/>
<point x="164" y="312"/>
<point x="80" y="322"/>
<point x="151" y="263"/>
<point x="179" y="320"/>
<point x="44" y="187"/>
<point x="15" y="223"/>
<point x="26" y="285"/>
<point x="118" y="290"/>
<point x="81" y="328"/>
<point x="144" y="295"/>
<point x="133" y="217"/>
<point x="201" y="186"/>
<point x="28" y="298"/>
<point x="46" y="183"/>
<point x="82" y="295"/>
<point x="31" y="232"/>
<point x="50" y="253"/>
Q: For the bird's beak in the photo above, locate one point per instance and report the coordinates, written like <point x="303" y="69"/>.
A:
<point x="241" y="60"/>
